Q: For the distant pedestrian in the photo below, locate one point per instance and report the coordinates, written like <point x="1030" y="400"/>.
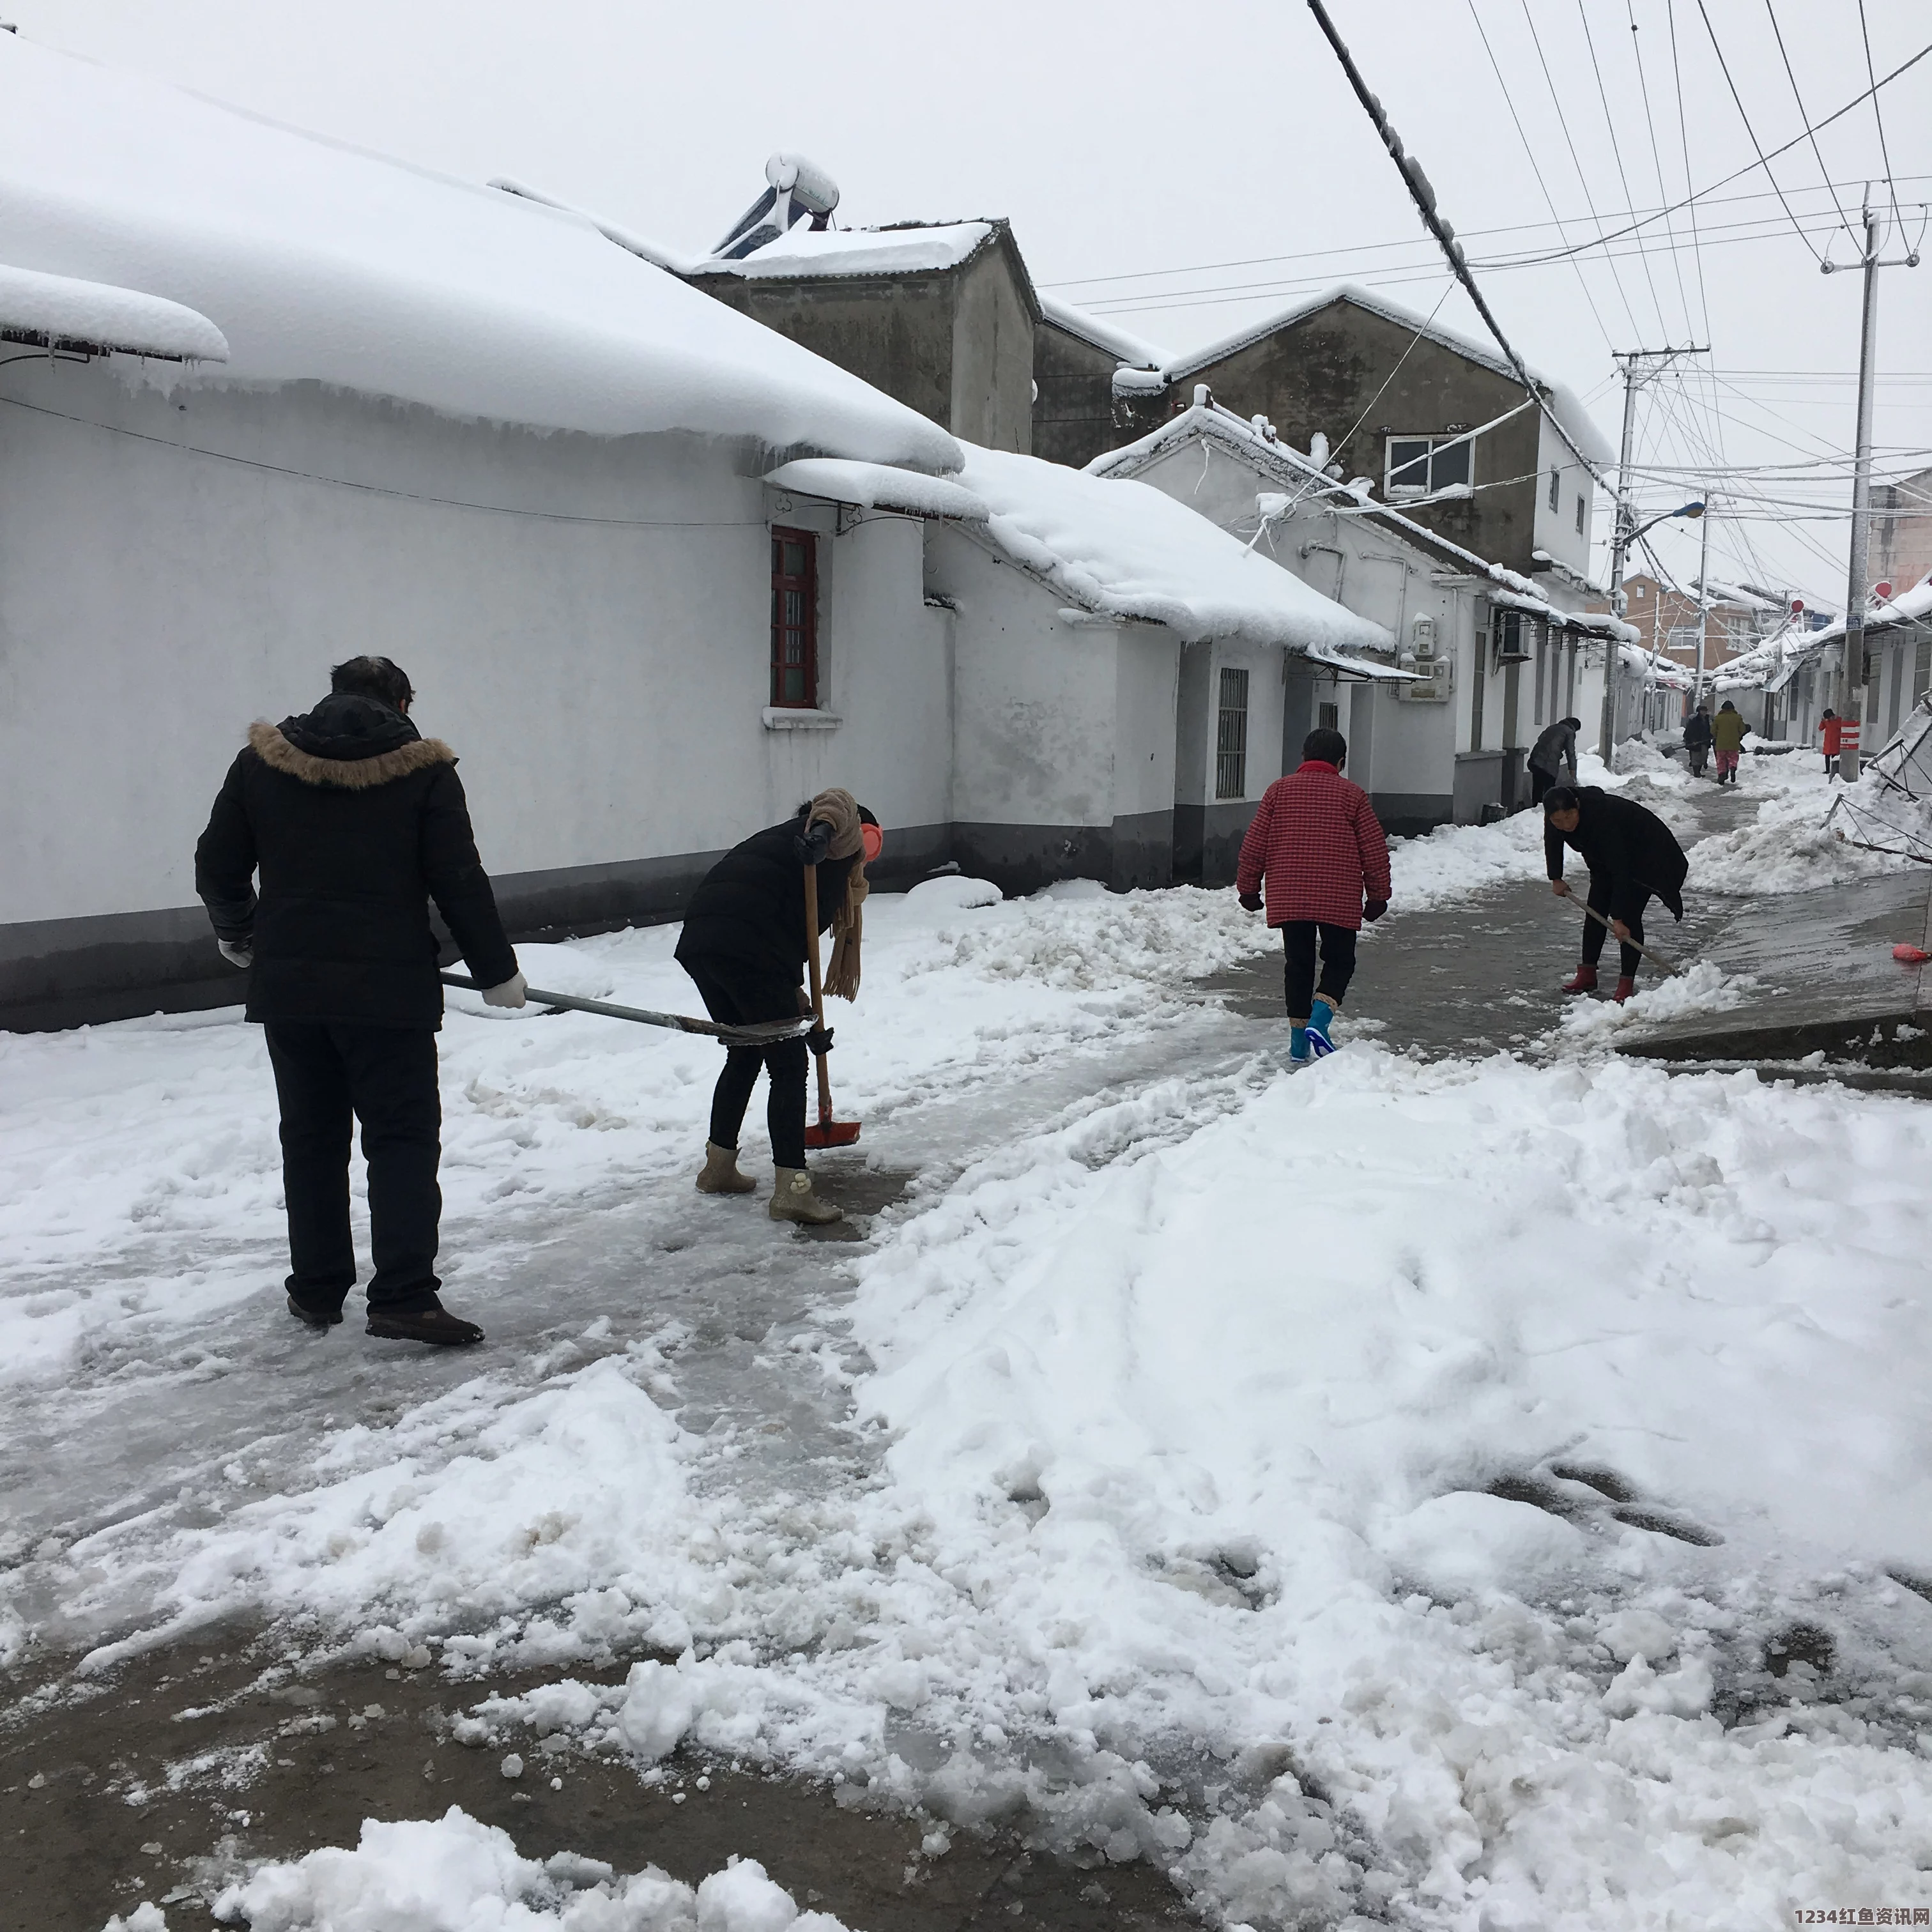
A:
<point x="356" y="821"/>
<point x="1633" y="858"/>
<point x="1552" y="758"/>
<point x="743" y="944"/>
<point x="1697" y="738"/>
<point x="1832" y="728"/>
<point x="1727" y="735"/>
<point x="1315" y="841"/>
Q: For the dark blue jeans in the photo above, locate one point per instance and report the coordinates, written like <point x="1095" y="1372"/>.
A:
<point x="328" y="1075"/>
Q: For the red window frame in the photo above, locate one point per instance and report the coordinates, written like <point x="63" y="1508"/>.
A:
<point x="794" y="619"/>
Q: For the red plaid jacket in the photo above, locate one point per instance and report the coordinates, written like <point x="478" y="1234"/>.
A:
<point x="1316" y="840"/>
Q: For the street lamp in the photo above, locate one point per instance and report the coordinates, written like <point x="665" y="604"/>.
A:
<point x="1693" y="511"/>
<point x="1620" y="548"/>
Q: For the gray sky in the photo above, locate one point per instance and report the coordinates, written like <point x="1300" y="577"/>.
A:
<point x="1131" y="141"/>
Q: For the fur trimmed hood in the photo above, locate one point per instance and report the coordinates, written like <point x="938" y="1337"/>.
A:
<point x="274" y="750"/>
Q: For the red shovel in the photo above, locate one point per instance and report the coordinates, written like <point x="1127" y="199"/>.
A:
<point x="828" y="1133"/>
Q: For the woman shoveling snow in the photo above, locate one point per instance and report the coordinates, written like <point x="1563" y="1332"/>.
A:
<point x="1633" y="857"/>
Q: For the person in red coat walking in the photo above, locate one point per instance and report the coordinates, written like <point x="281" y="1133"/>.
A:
<point x="1315" y="840"/>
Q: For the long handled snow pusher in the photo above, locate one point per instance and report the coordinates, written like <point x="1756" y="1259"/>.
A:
<point x="765" y="1033"/>
<point x="825" y="1132"/>
<point x="1657" y="959"/>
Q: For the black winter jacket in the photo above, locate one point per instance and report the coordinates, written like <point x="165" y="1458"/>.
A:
<point x="1555" y="752"/>
<point x="750" y="908"/>
<point x="1628" y="849"/>
<point x="1697" y="730"/>
<point x="356" y="822"/>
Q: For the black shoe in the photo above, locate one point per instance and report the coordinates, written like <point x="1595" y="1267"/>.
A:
<point x="434" y="1324"/>
<point x="321" y="1321"/>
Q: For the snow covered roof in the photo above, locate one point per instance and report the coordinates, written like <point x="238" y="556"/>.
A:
<point x="876" y="486"/>
<point x="1127" y="550"/>
<point x="59" y="312"/>
<point x="909" y="248"/>
<point x="1130" y="349"/>
<point x="1564" y="404"/>
<point x="1770" y="665"/>
<point x="1272" y="457"/>
<point x="319" y="261"/>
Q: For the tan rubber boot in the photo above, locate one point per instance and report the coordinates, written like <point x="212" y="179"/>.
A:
<point x="792" y="1199"/>
<point x="721" y="1175"/>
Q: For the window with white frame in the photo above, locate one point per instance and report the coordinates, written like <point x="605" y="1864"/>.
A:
<point x="1683" y="638"/>
<point x="1556" y="489"/>
<point x="1419" y="465"/>
<point x="1582" y="506"/>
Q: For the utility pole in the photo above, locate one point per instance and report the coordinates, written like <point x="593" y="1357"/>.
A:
<point x="1637" y="365"/>
<point x="1703" y="597"/>
<point x="1859" y="568"/>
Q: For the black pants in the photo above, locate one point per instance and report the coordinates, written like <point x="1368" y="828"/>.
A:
<point x="735" y="995"/>
<point x="1540" y="782"/>
<point x="1338" y="963"/>
<point x="1628" y="957"/>
<point x="327" y="1076"/>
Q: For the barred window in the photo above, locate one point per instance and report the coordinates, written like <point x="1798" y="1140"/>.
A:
<point x="794" y="619"/>
<point x="1231" y="737"/>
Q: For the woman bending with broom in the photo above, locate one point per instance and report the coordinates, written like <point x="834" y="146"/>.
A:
<point x="745" y="945"/>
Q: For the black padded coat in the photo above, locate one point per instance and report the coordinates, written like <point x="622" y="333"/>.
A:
<point x="355" y="822"/>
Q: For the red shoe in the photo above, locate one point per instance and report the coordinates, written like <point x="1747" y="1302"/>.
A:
<point x="1586" y="981"/>
<point x="1624" y="989"/>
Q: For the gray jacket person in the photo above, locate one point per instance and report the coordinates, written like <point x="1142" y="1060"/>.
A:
<point x="1552" y="758"/>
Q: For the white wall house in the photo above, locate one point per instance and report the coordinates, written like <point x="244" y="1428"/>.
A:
<point x="1502" y="659"/>
<point x="657" y="572"/>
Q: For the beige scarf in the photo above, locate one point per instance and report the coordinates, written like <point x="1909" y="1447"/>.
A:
<point x="840" y="810"/>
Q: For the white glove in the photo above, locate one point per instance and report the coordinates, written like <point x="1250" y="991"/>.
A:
<point x="509" y="994"/>
<point x="237" y="952"/>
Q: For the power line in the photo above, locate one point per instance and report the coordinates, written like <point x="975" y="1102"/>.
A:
<point x="1509" y="100"/>
<point x="1864" y="33"/>
<point x="1824" y="173"/>
<point x="1656" y="161"/>
<point x="1752" y="131"/>
<point x="1563" y="121"/>
<point x="1683" y="142"/>
<point x="1518" y="228"/>
<point x="1617" y="153"/>
<point x="1751" y="167"/>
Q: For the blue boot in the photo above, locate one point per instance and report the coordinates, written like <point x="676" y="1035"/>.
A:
<point x="1298" y="1044"/>
<point x="1320" y="1018"/>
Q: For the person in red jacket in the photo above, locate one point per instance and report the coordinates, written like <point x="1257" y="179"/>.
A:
<point x="1315" y="841"/>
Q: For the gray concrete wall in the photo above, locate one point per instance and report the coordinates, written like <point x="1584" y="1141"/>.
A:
<point x="586" y="620"/>
<point x="1321" y="373"/>
<point x="1073" y="413"/>
<point x="894" y="331"/>
<point x="992" y="356"/>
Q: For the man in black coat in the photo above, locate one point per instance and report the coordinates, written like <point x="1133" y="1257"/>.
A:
<point x="354" y="821"/>
<point x="1698" y="736"/>
<point x="1633" y="858"/>
<point x="743" y="944"/>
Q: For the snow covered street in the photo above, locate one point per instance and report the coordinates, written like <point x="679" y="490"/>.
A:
<point x="1463" y="1491"/>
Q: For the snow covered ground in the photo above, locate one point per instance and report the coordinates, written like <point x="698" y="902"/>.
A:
<point x="1474" y="1491"/>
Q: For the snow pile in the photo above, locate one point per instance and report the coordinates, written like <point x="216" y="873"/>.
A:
<point x="318" y="261"/>
<point x="916" y="249"/>
<point x="1454" y="861"/>
<point x="453" y="1874"/>
<point x="1811" y="830"/>
<point x="57" y="309"/>
<point x="1356" y="1484"/>
<point x="1697" y="989"/>
<point x="1130" y="550"/>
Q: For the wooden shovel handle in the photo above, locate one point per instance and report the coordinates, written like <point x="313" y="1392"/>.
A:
<point x="817" y="985"/>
